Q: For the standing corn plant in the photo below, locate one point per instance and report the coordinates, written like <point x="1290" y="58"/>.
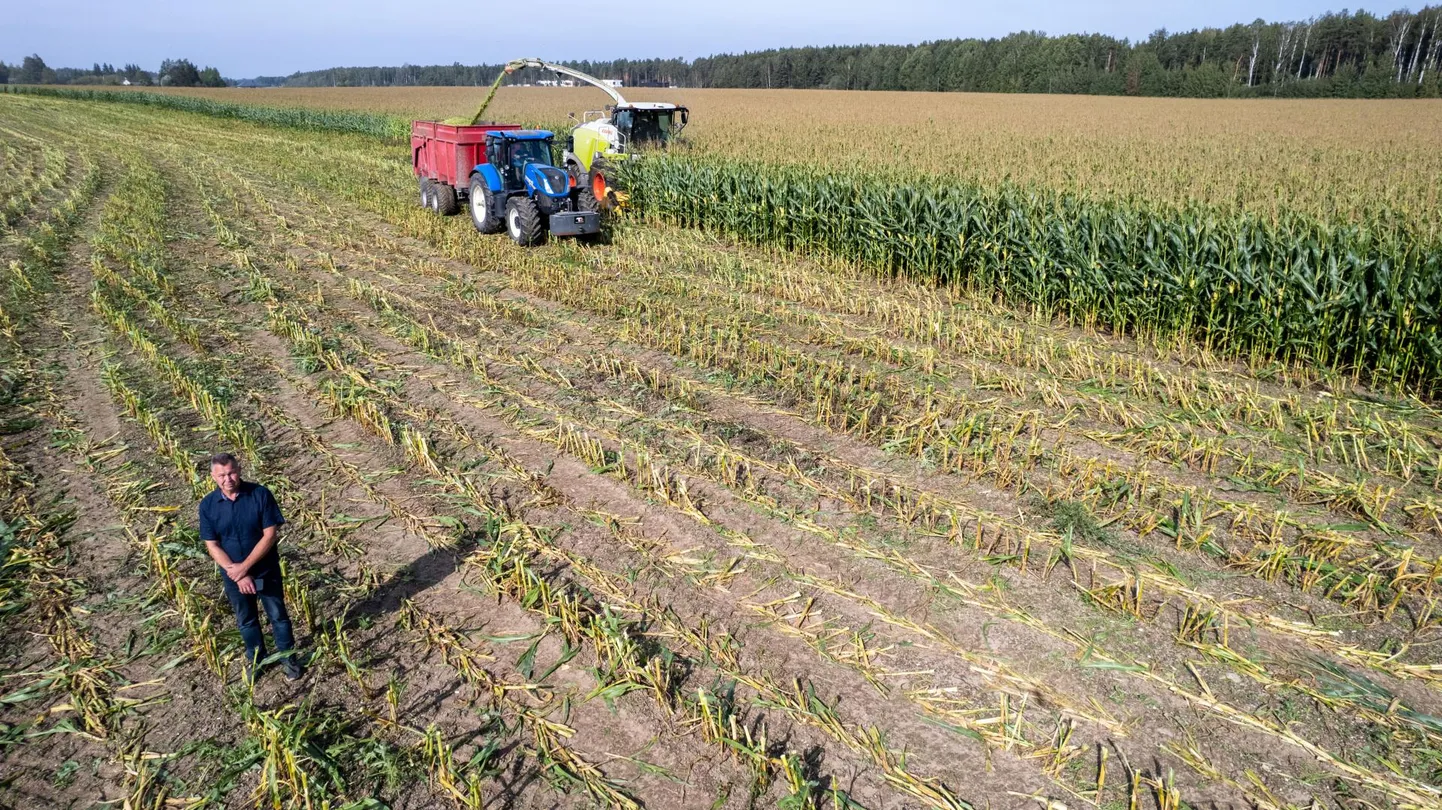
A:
<point x="1358" y="298"/>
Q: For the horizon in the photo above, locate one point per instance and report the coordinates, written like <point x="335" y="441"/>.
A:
<point x="220" y="37"/>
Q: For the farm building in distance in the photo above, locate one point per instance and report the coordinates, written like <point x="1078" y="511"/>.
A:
<point x="572" y="82"/>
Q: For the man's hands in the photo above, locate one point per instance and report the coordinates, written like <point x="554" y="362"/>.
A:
<point x="235" y="571"/>
<point x="239" y="572"/>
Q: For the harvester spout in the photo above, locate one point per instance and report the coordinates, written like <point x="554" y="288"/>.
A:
<point x="518" y="64"/>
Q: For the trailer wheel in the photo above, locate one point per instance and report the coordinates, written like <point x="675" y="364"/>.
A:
<point x="523" y="220"/>
<point x="425" y="193"/>
<point x="445" y="201"/>
<point x="483" y="209"/>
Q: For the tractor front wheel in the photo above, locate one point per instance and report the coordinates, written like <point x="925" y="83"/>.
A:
<point x="483" y="208"/>
<point x="523" y="221"/>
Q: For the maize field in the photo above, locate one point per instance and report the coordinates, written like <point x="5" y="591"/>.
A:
<point x="1338" y="159"/>
<point x="1267" y="242"/>
<point x="776" y="511"/>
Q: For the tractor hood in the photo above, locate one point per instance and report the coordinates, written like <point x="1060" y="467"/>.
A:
<point x="547" y="180"/>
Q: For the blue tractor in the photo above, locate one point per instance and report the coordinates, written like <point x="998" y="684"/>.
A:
<point x="518" y="190"/>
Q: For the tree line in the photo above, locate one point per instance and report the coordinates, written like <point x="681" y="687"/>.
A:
<point x="172" y="73"/>
<point x="1349" y="54"/>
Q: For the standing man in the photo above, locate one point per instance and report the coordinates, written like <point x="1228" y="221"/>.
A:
<point x="240" y="524"/>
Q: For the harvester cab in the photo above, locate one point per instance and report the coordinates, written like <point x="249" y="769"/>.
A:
<point x="519" y="190"/>
<point x="648" y="123"/>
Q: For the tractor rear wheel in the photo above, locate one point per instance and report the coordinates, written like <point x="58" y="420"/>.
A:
<point x="425" y="193"/>
<point x="483" y="209"/>
<point x="523" y="220"/>
<point x="444" y="199"/>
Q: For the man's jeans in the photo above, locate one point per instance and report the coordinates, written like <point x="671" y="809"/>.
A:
<point x="272" y="595"/>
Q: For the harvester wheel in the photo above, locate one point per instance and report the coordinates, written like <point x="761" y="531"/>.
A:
<point x="483" y="210"/>
<point x="586" y="200"/>
<point x="445" y="201"/>
<point x="601" y="187"/>
<point x="425" y="193"/>
<point x="523" y="220"/>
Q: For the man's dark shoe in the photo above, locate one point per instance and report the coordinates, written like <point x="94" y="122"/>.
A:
<point x="294" y="671"/>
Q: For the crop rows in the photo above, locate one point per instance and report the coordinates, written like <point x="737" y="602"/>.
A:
<point x="512" y="565"/>
<point x="368" y="403"/>
<point x="557" y="761"/>
<point x="300" y="751"/>
<point x="828" y="540"/>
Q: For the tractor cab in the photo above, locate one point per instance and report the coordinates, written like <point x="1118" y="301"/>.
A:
<point x="510" y="152"/>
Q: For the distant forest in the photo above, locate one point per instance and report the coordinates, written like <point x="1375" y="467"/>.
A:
<point x="172" y="73"/>
<point x="1343" y="54"/>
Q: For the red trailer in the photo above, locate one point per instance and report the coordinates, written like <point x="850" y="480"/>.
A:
<point x="443" y="156"/>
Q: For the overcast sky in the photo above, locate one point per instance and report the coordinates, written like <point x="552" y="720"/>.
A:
<point x="278" y="37"/>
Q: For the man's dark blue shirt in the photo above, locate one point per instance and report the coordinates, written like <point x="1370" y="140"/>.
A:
<point x="238" y="525"/>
